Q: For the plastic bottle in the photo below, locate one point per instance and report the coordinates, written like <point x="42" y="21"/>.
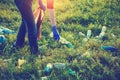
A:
<point x="21" y="62"/>
<point x="2" y="39"/>
<point x="89" y="34"/>
<point x="7" y="31"/>
<point x="48" y="69"/>
<point x="81" y="34"/>
<point x="44" y="78"/>
<point x="101" y="34"/>
<point x="59" y="65"/>
<point x="67" y="43"/>
<point x="103" y="29"/>
<point x="109" y="48"/>
<point x="71" y="72"/>
<point x="1" y="31"/>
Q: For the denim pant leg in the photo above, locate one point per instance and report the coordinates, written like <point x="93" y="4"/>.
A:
<point x="21" y="35"/>
<point x="25" y="8"/>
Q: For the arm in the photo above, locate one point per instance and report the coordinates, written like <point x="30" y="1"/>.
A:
<point x="42" y="6"/>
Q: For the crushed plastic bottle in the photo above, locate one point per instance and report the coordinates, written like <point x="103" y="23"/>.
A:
<point x="81" y="34"/>
<point x="69" y="45"/>
<point x="1" y="31"/>
<point x="85" y="39"/>
<point x="104" y="28"/>
<point x="59" y="65"/>
<point x="43" y="47"/>
<point x="101" y="34"/>
<point x="21" y="62"/>
<point x="2" y="39"/>
<point x="71" y="72"/>
<point x="64" y="41"/>
<point x="86" y="54"/>
<point x="44" y="78"/>
<point x="89" y="32"/>
<point x="109" y="48"/>
<point x="48" y="69"/>
<point x="6" y="30"/>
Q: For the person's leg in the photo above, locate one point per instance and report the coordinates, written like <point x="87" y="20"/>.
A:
<point x="50" y="6"/>
<point x="25" y="8"/>
<point x="21" y="35"/>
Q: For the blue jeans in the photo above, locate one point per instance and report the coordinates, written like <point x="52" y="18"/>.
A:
<point x="28" y="24"/>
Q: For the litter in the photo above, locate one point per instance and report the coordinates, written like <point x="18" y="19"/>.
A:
<point x="89" y="32"/>
<point x="2" y="39"/>
<point x="71" y="72"/>
<point x="63" y="41"/>
<point x="109" y="48"/>
<point x="6" y="30"/>
<point x="21" y="62"/>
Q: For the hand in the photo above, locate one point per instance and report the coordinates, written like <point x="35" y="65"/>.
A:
<point x="43" y="7"/>
<point x="56" y="36"/>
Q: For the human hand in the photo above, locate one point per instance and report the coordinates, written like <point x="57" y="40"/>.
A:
<point x="43" y="7"/>
<point x="56" y="36"/>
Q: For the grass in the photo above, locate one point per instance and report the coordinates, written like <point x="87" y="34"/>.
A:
<point x="72" y="17"/>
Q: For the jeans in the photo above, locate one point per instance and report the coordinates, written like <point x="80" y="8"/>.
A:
<point x="28" y="24"/>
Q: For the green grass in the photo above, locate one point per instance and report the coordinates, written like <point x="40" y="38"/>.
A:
<point x="72" y="17"/>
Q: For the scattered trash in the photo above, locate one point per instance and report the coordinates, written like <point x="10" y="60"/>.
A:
<point x="21" y="62"/>
<point x="109" y="48"/>
<point x="89" y="32"/>
<point x="113" y="35"/>
<point x="48" y="69"/>
<point x="69" y="45"/>
<point x="104" y="28"/>
<point x="6" y="30"/>
<point x="71" y="72"/>
<point x="59" y="65"/>
<point x="85" y="39"/>
<point x="7" y="60"/>
<point x="81" y="34"/>
<point x="44" y="78"/>
<point x="102" y="34"/>
<point x="43" y="47"/>
<point x="64" y="41"/>
<point x="1" y="31"/>
<point x="86" y="54"/>
<point x="2" y="39"/>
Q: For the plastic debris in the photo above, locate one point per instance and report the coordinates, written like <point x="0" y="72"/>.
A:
<point x="71" y="72"/>
<point x="69" y="45"/>
<point x="43" y="47"/>
<point x="2" y="39"/>
<point x="89" y="34"/>
<point x="109" y="48"/>
<point x="44" y="78"/>
<point x="6" y="30"/>
<point x="48" y="69"/>
<point x="81" y="34"/>
<point x="102" y="34"/>
<point x="85" y="39"/>
<point x="64" y="41"/>
<point x="1" y="31"/>
<point x="21" y="62"/>
<point x="103" y="29"/>
<point x="86" y="54"/>
<point x="59" y="65"/>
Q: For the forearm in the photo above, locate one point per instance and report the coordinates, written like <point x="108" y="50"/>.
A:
<point x="50" y="4"/>
<point x="40" y="2"/>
